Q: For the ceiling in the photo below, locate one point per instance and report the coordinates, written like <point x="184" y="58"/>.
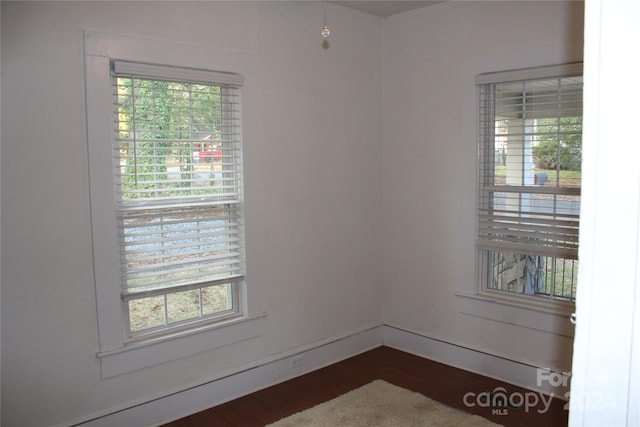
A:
<point x="384" y="8"/>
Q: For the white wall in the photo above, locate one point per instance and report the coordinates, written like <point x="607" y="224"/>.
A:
<point x="332" y="151"/>
<point x="314" y="193"/>
<point x="430" y="58"/>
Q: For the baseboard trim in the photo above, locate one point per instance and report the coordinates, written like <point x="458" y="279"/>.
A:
<point x="489" y="365"/>
<point x="193" y="398"/>
<point x="265" y="373"/>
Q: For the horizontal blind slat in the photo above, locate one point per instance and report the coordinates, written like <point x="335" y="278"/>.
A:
<point x="176" y="73"/>
<point x="533" y="231"/>
<point x="175" y="269"/>
<point x="153" y="251"/>
<point x="573" y="69"/>
<point x="202" y="206"/>
<point x="552" y="251"/>
<point x="228" y="253"/>
<point x="132" y="294"/>
<point x="183" y="277"/>
<point x="134" y="230"/>
<point x="524" y="189"/>
<point x="170" y="251"/>
<point x="566" y="220"/>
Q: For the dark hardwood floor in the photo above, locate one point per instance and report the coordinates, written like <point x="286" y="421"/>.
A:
<point x="440" y="382"/>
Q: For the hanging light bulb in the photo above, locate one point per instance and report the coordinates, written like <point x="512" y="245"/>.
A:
<point x="325" y="30"/>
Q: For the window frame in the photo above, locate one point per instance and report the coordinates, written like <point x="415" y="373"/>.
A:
<point x="482" y="250"/>
<point x="117" y="355"/>
<point x="473" y="298"/>
<point x="215" y="207"/>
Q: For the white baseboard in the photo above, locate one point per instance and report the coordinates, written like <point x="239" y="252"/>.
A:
<point x="490" y="365"/>
<point x="277" y="369"/>
<point x="288" y="365"/>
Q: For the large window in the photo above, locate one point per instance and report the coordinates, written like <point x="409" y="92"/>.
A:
<point x="178" y="190"/>
<point x="530" y="152"/>
<point x="168" y="175"/>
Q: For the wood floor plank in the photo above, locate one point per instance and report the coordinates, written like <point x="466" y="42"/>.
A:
<point x="440" y="382"/>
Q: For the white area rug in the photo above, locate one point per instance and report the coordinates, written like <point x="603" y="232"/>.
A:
<point x="382" y="404"/>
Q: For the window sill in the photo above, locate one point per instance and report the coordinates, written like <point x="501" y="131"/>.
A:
<point x="143" y="354"/>
<point x="526" y="311"/>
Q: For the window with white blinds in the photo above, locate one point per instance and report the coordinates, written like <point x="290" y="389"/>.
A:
<point x="178" y="186"/>
<point x="530" y="153"/>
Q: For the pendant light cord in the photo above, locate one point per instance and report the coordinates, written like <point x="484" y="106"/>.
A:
<point x="325" y="29"/>
<point x="325" y="12"/>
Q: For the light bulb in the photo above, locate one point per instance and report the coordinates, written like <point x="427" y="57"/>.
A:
<point x="325" y="32"/>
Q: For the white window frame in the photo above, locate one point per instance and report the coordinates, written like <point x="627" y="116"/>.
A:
<point x="500" y="230"/>
<point x="533" y="312"/>
<point x="117" y="356"/>
<point x="152" y="207"/>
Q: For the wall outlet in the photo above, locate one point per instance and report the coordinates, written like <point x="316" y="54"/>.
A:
<point x="297" y="361"/>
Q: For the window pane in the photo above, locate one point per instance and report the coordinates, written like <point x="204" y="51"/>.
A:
<point x="183" y="305"/>
<point x="146" y="313"/>
<point x="176" y="139"/>
<point x="192" y="304"/>
<point x="532" y="274"/>
<point x="216" y="299"/>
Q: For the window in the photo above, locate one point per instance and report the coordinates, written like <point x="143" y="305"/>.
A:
<point x="530" y="152"/>
<point x="178" y="187"/>
<point x="168" y="166"/>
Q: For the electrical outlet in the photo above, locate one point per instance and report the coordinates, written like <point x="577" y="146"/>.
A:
<point x="297" y="361"/>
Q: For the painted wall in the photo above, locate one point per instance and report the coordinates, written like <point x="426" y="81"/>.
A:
<point x="431" y="57"/>
<point x="344" y="131"/>
<point x="314" y="194"/>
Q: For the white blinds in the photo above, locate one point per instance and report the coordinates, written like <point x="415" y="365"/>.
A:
<point x="530" y="159"/>
<point x="179" y="74"/>
<point x="177" y="151"/>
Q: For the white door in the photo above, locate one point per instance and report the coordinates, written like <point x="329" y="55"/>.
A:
<point x="606" y="358"/>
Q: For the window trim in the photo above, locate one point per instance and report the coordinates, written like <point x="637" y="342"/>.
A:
<point x="117" y="356"/>
<point x="535" y="73"/>
<point x="525" y="311"/>
<point x="531" y="312"/>
<point x="481" y="80"/>
<point x="216" y="207"/>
